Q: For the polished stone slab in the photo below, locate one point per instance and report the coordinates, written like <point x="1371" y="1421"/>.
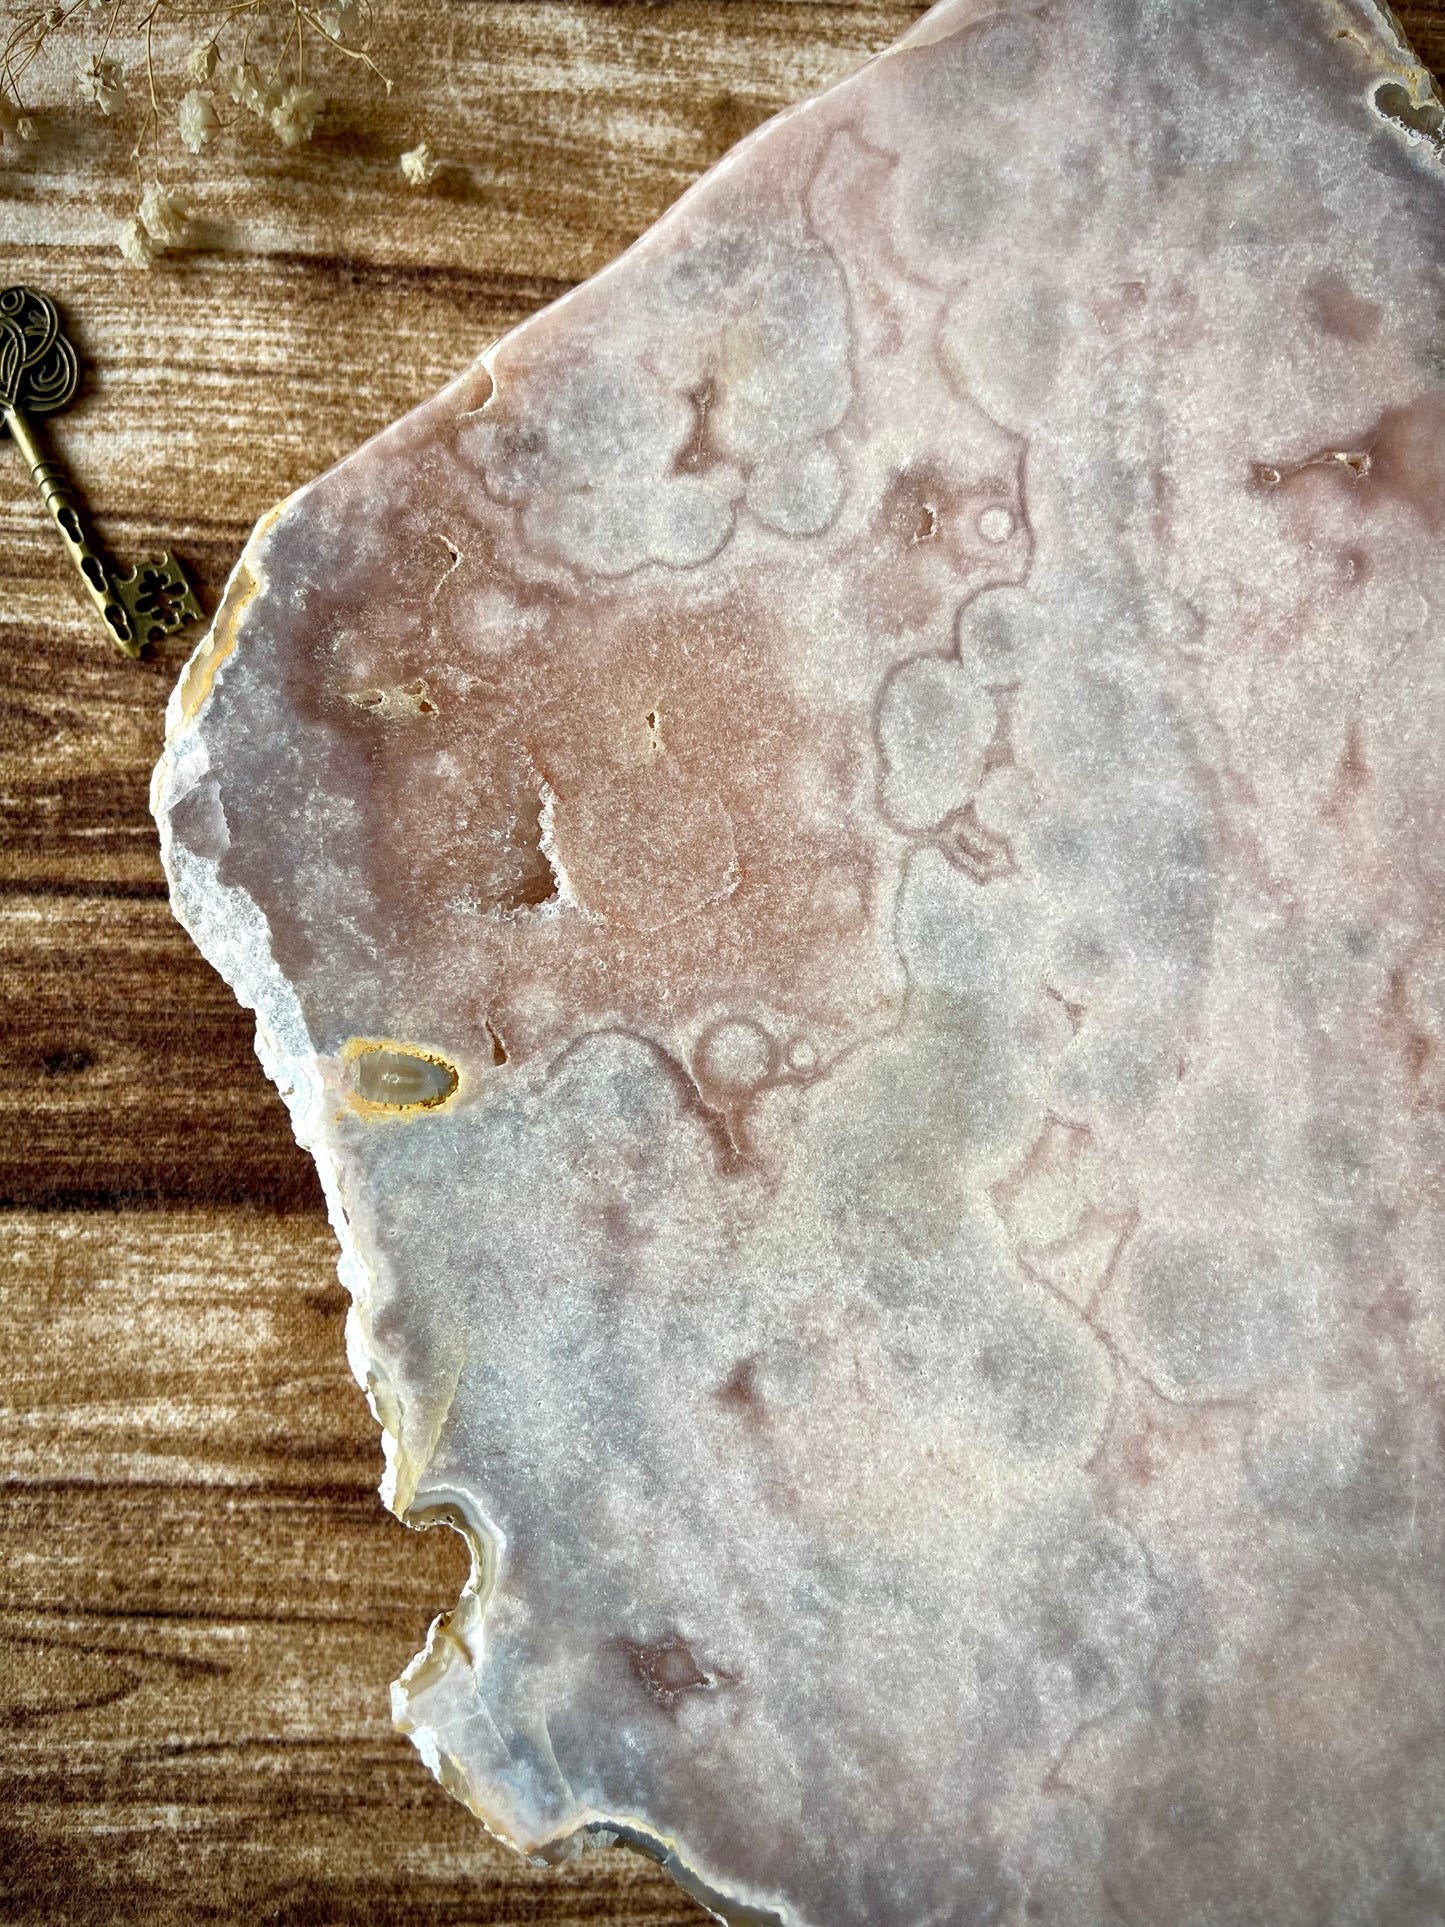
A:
<point x="837" y="853"/>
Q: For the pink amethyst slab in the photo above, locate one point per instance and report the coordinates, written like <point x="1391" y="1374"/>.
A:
<point x="837" y="852"/>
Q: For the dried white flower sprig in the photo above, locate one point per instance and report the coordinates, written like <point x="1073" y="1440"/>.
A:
<point x="198" y="119"/>
<point x="102" y="80"/>
<point x="419" y="164"/>
<point x="14" y="126"/>
<point x="249" y="55"/>
<point x="158" y="224"/>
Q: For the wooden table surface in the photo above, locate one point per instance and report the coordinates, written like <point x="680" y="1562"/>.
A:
<point x="202" y="1600"/>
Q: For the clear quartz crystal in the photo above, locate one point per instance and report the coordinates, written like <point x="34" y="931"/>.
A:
<point x="837" y="851"/>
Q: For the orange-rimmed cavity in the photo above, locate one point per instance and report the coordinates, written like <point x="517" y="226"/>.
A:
<point x="383" y="1076"/>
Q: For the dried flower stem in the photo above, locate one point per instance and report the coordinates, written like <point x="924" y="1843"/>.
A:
<point x="335" y="27"/>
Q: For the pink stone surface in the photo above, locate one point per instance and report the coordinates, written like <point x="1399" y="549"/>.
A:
<point x="837" y="850"/>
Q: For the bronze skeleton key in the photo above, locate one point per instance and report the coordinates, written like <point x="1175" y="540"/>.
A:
<point x="38" y="374"/>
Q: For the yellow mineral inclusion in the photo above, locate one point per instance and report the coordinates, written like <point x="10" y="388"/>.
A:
<point x="421" y="1080"/>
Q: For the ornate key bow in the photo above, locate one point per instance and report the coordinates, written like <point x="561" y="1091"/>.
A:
<point x="38" y="374"/>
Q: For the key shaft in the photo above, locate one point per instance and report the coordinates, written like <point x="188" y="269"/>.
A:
<point x="60" y="499"/>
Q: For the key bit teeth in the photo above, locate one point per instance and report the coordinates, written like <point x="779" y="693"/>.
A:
<point x="159" y="598"/>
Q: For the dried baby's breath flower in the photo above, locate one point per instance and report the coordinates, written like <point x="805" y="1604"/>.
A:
<point x="136" y="245"/>
<point x="162" y="216"/>
<point x="198" y="119"/>
<point x="248" y="89"/>
<point x="158" y="223"/>
<point x="103" y="81"/>
<point x="14" y="126"/>
<point x="294" y="115"/>
<point x="202" y="61"/>
<point x="340" y="22"/>
<point x="419" y="164"/>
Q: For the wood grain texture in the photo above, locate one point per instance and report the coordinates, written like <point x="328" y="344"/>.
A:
<point x="201" y="1598"/>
